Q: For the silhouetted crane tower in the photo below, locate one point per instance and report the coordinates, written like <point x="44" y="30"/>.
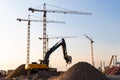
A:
<point x="28" y="32"/>
<point x="44" y="21"/>
<point x="91" y="41"/>
<point x="56" y="38"/>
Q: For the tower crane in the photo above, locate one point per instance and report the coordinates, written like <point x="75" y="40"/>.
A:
<point x="44" y="21"/>
<point x="91" y="41"/>
<point x="56" y="38"/>
<point x="28" y="32"/>
<point x="111" y="61"/>
<point x="28" y="36"/>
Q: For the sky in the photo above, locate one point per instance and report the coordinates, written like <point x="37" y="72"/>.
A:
<point x="103" y="26"/>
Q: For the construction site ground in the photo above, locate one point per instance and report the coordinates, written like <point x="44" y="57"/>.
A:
<point x="79" y="71"/>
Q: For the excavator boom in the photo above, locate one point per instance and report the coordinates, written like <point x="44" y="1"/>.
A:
<point x="62" y="43"/>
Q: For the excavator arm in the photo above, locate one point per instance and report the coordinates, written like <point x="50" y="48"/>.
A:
<point x="62" y="43"/>
<point x="44" y="64"/>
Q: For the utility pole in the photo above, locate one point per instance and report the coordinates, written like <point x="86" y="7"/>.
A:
<point x="44" y="21"/>
<point x="91" y="41"/>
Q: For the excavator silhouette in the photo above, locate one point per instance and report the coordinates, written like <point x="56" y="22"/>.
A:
<point x="44" y="64"/>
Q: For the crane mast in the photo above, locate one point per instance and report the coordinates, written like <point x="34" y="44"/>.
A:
<point x="28" y="37"/>
<point x="28" y="32"/>
<point x="44" y="32"/>
<point x="91" y="41"/>
<point x="44" y="21"/>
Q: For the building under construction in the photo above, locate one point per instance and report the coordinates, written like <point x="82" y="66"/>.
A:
<point x="114" y="67"/>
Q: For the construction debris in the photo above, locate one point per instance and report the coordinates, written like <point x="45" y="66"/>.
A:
<point x="113" y="71"/>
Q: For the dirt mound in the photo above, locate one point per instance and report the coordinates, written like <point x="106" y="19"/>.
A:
<point x="20" y="73"/>
<point x="45" y="75"/>
<point x="79" y="71"/>
<point x="82" y="71"/>
<point x="17" y="72"/>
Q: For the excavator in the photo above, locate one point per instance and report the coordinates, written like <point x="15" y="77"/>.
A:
<point x="44" y="64"/>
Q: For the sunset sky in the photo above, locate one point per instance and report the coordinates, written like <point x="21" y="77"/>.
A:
<point x="103" y="26"/>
